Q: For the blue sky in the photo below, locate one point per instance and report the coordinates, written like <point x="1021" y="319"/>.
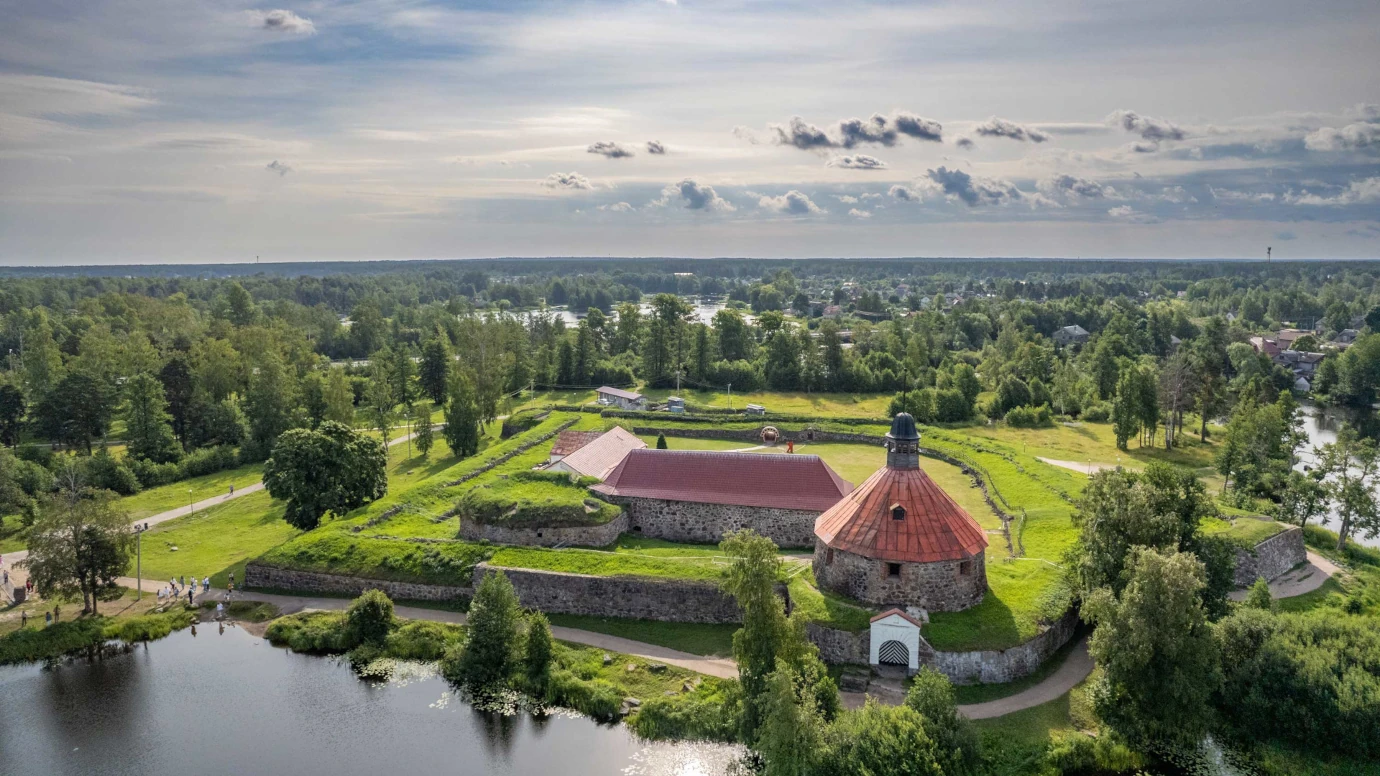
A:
<point x="184" y="130"/>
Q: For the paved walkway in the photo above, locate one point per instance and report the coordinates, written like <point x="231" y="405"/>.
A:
<point x="1077" y="665"/>
<point x="1304" y="579"/>
<point x="1082" y="467"/>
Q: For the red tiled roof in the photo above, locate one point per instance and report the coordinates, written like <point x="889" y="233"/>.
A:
<point x="570" y="441"/>
<point x="745" y="479"/>
<point x="598" y="457"/>
<point x="900" y="614"/>
<point x="934" y="528"/>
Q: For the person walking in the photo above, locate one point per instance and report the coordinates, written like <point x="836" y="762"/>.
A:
<point x="191" y="596"/>
<point x="24" y="619"/>
<point x="47" y="618"/>
<point x="206" y="585"/>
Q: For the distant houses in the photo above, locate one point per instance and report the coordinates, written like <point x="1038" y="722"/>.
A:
<point x="617" y="397"/>
<point x="1071" y="335"/>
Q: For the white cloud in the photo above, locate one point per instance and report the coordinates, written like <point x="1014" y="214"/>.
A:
<point x="1365" y="191"/>
<point x="618" y="207"/>
<point x="567" y="181"/>
<point x="847" y="199"/>
<point x="856" y="213"/>
<point x="1352" y="137"/>
<point x="857" y="162"/>
<point x="792" y="202"/>
<point x="693" y="195"/>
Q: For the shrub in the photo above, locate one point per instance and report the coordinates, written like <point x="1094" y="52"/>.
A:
<point x="536" y="657"/>
<point x="207" y="460"/>
<point x="1029" y="417"/>
<point x="957" y="746"/>
<point x="149" y="627"/>
<point x="422" y="640"/>
<point x="30" y="644"/>
<point x="103" y="471"/>
<point x="487" y="656"/>
<point x="1097" y="413"/>
<point x="150" y="474"/>
<point x="712" y="712"/>
<point x="595" y="698"/>
<point x="369" y="618"/>
<point x="1078" y="753"/>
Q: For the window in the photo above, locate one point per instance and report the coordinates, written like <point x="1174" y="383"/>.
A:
<point x="829" y="556"/>
<point x="893" y="570"/>
<point x="898" y="512"/>
<point x="965" y="568"/>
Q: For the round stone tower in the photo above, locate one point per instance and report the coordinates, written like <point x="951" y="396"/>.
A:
<point x="898" y="539"/>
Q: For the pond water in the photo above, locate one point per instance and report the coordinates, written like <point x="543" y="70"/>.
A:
<point x="231" y="703"/>
<point x="1321" y="425"/>
<point x="703" y="311"/>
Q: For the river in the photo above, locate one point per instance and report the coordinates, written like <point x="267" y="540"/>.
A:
<point x="231" y="703"/>
<point x="1321" y="425"/>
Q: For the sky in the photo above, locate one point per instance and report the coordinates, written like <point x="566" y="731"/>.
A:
<point x="174" y="131"/>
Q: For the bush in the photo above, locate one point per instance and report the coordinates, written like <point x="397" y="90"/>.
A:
<point x="1100" y="412"/>
<point x="30" y="644"/>
<point x="1074" y="754"/>
<point x="149" y="627"/>
<point x="596" y="698"/>
<point x="422" y="640"/>
<point x="536" y="656"/>
<point x="713" y="712"/>
<point x="207" y="460"/>
<point x="150" y="474"/>
<point x="369" y="618"/>
<point x="103" y="471"/>
<point x="1029" y="417"/>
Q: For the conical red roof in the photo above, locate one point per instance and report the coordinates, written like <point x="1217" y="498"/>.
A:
<point x="934" y="528"/>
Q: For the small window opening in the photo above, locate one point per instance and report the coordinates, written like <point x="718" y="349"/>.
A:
<point x="893" y="570"/>
<point x="898" y="512"/>
<point x="538" y="534"/>
<point x="828" y="556"/>
<point x="965" y="568"/>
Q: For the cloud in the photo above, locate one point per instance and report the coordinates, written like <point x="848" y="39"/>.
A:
<point x="997" y="127"/>
<point x="792" y="202"/>
<point x="1147" y="127"/>
<point x="849" y="133"/>
<point x="1227" y="195"/>
<point x="618" y="207"/>
<point x="905" y="194"/>
<point x="655" y="148"/>
<point x="847" y="199"/>
<point x="282" y="21"/>
<point x="745" y="133"/>
<point x="695" y="195"/>
<point x="278" y="167"/>
<point x="965" y="142"/>
<point x="609" y="149"/>
<point x="1175" y="194"/>
<point x="857" y="162"/>
<point x="1072" y="187"/>
<point x="567" y="181"/>
<point x="1363" y="111"/>
<point x="1124" y="211"/>
<point x="957" y="184"/>
<point x="1352" y="137"/>
<point x="1357" y="192"/>
<point x="856" y="213"/>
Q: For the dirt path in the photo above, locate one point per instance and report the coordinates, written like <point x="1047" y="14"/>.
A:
<point x="1304" y="579"/>
<point x="1080" y="467"/>
<point x="288" y="604"/>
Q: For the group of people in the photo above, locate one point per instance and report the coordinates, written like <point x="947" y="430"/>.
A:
<point x="177" y="586"/>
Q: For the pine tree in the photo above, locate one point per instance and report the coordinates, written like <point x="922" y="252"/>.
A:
<point x="147" y="423"/>
<point x="462" y="419"/>
<point x="424" y="437"/>
<point x="434" y="372"/>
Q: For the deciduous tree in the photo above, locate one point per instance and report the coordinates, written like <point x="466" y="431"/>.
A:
<point x="79" y="545"/>
<point x="330" y="469"/>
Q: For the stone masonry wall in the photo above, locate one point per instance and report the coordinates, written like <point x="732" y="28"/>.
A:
<point x="642" y="598"/>
<point x="985" y="666"/>
<point x="575" y="536"/>
<point x="684" y="521"/>
<point x="258" y="575"/>
<point x="1270" y="558"/>
<point x="936" y="587"/>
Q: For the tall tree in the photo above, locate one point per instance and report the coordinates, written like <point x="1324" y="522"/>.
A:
<point x="340" y="400"/>
<point x="462" y="418"/>
<point x="11" y="414"/>
<point x="489" y="654"/>
<point x="240" y="308"/>
<point x="1156" y="650"/>
<point x="424" y="438"/>
<point x="148" y="426"/>
<point x="434" y="372"/>
<point x="268" y="405"/>
<point x="381" y="392"/>
<point x="79" y="545"/>
<point x="331" y="469"/>
<point x="1209" y="354"/>
<point x="735" y="338"/>
<point x="76" y="412"/>
<point x="180" y="390"/>
<point x="314" y="397"/>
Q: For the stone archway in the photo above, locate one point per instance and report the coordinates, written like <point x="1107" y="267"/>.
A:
<point x="893" y="653"/>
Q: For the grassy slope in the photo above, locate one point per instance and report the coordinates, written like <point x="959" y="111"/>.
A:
<point x="214" y="541"/>
<point x="695" y="638"/>
<point x="179" y="494"/>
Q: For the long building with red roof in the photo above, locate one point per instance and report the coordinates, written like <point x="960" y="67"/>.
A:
<point x="698" y="496"/>
<point x="899" y="539"/>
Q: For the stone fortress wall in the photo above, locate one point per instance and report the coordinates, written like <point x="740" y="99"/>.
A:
<point x="572" y="536"/>
<point x="936" y="587"/>
<point x="699" y="523"/>
<point x="1271" y="557"/>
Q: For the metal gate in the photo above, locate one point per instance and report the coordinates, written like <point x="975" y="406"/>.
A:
<point x="893" y="653"/>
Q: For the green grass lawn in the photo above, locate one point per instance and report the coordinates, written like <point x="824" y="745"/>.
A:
<point x="685" y="443"/>
<point x="178" y="494"/>
<point x="535" y="499"/>
<point x="695" y="638"/>
<point x="12" y="533"/>
<point x="1247" y="530"/>
<point x="609" y="564"/>
<point x="215" y="541"/>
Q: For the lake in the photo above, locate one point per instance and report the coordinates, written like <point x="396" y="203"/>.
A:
<point x="1321" y="425"/>
<point x="231" y="703"/>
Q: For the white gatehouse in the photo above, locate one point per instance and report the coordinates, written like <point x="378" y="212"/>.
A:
<point x="895" y="640"/>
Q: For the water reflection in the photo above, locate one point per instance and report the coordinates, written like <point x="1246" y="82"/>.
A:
<point x="1321" y="425"/>
<point x="229" y="703"/>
